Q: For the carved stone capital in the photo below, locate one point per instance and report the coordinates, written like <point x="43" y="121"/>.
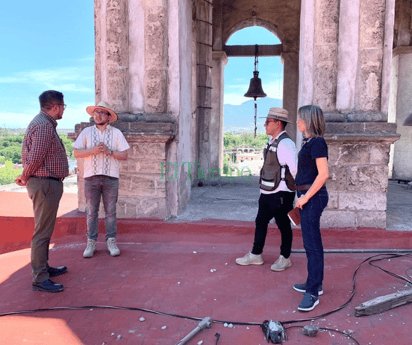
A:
<point x="220" y="55"/>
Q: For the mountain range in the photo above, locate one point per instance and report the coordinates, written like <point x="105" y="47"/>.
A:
<point x="240" y="118"/>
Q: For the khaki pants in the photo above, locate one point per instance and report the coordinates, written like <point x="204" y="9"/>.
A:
<point x="45" y="195"/>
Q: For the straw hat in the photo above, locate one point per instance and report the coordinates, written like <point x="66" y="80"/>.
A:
<point x="278" y="114"/>
<point x="104" y="106"/>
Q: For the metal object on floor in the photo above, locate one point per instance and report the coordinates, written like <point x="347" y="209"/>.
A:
<point x="274" y="331"/>
<point x="205" y="323"/>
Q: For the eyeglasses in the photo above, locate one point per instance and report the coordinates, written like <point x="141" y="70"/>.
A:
<point x="267" y="122"/>
<point x="101" y="112"/>
<point x="62" y="104"/>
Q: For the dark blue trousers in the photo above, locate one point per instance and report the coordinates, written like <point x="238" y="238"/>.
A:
<point x="312" y="239"/>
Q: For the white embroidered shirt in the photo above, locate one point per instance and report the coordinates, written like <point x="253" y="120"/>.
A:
<point x="101" y="164"/>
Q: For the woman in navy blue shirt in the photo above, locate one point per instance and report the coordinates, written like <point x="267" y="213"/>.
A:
<point x="312" y="199"/>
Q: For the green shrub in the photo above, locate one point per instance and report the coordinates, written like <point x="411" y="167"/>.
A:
<point x="8" y="174"/>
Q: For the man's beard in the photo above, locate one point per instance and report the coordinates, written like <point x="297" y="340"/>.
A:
<point x="102" y="122"/>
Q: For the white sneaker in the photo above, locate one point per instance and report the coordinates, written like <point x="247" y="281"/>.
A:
<point x="112" y="247"/>
<point x="91" y="247"/>
<point x="281" y="264"/>
<point x="250" y="259"/>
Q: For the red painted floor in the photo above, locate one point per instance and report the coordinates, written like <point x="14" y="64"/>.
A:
<point x="167" y="267"/>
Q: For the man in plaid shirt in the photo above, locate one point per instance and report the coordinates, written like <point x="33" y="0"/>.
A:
<point x="45" y="166"/>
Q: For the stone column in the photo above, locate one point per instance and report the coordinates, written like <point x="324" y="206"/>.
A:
<point x="401" y="92"/>
<point x="402" y="158"/>
<point x="347" y="54"/>
<point x="140" y="97"/>
<point x="217" y="115"/>
<point x="325" y="51"/>
<point x="290" y="88"/>
<point x="156" y="55"/>
<point x="204" y="31"/>
<point x="342" y="59"/>
<point x="370" y="58"/>
<point x="112" y="53"/>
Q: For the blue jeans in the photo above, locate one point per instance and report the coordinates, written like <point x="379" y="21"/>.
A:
<point x="312" y="240"/>
<point x="96" y="187"/>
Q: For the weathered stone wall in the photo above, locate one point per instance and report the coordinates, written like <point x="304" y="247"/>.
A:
<point x="326" y="53"/>
<point x="371" y="44"/>
<point x="156" y="55"/>
<point x="358" y="175"/>
<point x="142" y="187"/>
<point x="112" y="54"/>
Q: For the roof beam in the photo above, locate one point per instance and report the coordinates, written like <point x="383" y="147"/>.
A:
<point x="249" y="50"/>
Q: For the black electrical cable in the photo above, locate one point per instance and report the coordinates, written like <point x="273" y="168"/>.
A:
<point x="390" y="256"/>
<point x="353" y="286"/>
<point x="100" y="307"/>
<point x="330" y="330"/>
<point x="409" y="275"/>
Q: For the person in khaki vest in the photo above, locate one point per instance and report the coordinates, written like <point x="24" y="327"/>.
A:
<point x="277" y="191"/>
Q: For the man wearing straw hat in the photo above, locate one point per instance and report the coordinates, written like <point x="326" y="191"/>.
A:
<point x="277" y="191"/>
<point x="102" y="147"/>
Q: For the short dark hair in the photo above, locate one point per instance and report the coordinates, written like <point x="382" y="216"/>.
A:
<point x="47" y="98"/>
<point x="284" y="123"/>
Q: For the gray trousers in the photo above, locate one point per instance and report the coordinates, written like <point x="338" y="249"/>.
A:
<point x="45" y="195"/>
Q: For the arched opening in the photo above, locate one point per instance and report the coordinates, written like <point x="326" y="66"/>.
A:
<point x="239" y="113"/>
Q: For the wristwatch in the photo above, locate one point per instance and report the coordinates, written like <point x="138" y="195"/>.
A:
<point x="111" y="152"/>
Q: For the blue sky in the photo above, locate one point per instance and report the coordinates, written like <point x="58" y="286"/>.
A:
<point x="52" y="47"/>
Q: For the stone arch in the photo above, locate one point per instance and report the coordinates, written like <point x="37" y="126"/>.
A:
<point x="272" y="28"/>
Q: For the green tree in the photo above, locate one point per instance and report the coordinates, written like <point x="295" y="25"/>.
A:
<point x="8" y="174"/>
<point x="11" y="153"/>
<point x="226" y="164"/>
<point x="232" y="140"/>
<point x="68" y="145"/>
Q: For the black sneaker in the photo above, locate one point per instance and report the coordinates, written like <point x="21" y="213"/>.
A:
<point x="308" y="303"/>
<point x="47" y="286"/>
<point x="302" y="288"/>
<point x="56" y="271"/>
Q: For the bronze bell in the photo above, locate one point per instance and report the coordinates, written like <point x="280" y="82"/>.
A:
<point x="255" y="87"/>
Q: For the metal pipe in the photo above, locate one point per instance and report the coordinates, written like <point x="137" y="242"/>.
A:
<point x="205" y="323"/>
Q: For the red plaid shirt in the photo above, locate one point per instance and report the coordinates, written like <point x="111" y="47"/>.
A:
<point x="43" y="152"/>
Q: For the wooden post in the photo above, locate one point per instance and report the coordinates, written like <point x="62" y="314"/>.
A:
<point x="384" y="303"/>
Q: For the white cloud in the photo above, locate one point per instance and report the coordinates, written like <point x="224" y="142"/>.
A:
<point x="235" y="98"/>
<point x="12" y="80"/>
<point x="274" y="89"/>
<point x="75" y="79"/>
<point x="74" y="114"/>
